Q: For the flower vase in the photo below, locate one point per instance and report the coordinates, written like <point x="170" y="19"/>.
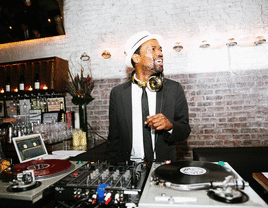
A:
<point x="83" y="118"/>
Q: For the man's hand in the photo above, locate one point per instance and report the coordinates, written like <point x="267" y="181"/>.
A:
<point x="159" y="122"/>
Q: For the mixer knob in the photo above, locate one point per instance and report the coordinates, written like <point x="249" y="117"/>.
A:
<point x="171" y="200"/>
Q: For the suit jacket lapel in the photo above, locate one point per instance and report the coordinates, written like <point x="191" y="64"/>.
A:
<point x="161" y="98"/>
<point x="126" y="95"/>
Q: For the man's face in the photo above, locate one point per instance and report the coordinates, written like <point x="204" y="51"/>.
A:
<point x="151" y="57"/>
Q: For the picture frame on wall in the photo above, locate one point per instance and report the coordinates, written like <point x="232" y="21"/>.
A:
<point x="39" y="103"/>
<point x="35" y="116"/>
<point x="11" y="108"/>
<point x="25" y="106"/>
<point x="2" y="108"/>
<point x="53" y="104"/>
<point x="49" y="117"/>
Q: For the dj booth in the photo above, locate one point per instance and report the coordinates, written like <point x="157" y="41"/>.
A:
<point x="88" y="181"/>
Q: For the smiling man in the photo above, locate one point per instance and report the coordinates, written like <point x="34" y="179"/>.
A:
<point x="148" y="114"/>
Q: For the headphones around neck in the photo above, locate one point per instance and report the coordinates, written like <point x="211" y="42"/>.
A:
<point x="154" y="83"/>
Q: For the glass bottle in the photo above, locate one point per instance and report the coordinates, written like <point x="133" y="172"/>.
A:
<point x="8" y="83"/>
<point x="62" y="113"/>
<point x="36" y="80"/>
<point x="21" y="84"/>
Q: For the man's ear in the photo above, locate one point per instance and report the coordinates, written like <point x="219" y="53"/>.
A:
<point x="136" y="58"/>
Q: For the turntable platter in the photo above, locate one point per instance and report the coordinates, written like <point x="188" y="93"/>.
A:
<point x="191" y="172"/>
<point x="43" y="168"/>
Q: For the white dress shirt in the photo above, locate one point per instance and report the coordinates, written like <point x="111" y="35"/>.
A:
<point x="137" y="153"/>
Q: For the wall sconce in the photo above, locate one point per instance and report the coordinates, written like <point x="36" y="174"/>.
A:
<point x="45" y="87"/>
<point x="260" y="40"/>
<point x="178" y="47"/>
<point x="106" y="54"/>
<point x="2" y="91"/>
<point x="231" y="42"/>
<point x="84" y="57"/>
<point x="204" y="44"/>
<point x="16" y="89"/>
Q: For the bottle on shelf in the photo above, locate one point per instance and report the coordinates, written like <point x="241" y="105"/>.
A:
<point x="21" y="84"/>
<point x="62" y="113"/>
<point x="7" y="83"/>
<point x="36" y="80"/>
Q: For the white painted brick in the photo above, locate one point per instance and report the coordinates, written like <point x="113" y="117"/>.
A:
<point x="95" y="25"/>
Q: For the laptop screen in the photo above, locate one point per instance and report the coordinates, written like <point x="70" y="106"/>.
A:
<point x="30" y="147"/>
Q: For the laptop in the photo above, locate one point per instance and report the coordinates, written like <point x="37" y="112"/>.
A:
<point x="32" y="147"/>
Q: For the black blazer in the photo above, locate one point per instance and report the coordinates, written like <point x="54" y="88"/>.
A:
<point x="170" y="101"/>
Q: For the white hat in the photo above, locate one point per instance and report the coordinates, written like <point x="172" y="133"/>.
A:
<point x="134" y="42"/>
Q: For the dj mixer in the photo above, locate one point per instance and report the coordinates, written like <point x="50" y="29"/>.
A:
<point x="117" y="184"/>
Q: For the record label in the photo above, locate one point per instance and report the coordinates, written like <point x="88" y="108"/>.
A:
<point x="193" y="171"/>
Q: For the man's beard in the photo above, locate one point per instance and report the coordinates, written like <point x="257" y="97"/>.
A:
<point x="157" y="68"/>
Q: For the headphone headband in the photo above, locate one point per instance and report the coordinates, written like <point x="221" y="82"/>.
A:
<point x="154" y="83"/>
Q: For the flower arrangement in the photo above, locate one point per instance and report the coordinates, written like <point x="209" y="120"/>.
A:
<point x="80" y="88"/>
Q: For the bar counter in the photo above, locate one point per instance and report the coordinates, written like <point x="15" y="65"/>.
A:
<point x="94" y="150"/>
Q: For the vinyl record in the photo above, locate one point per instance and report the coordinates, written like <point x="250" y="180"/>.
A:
<point x="43" y="167"/>
<point x="24" y="188"/>
<point x="191" y="172"/>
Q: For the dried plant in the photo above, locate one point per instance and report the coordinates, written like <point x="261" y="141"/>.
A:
<point x="80" y="88"/>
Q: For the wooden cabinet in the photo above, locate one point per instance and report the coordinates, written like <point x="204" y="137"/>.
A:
<point x="53" y="74"/>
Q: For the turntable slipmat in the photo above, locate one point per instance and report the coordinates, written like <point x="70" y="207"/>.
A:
<point x="191" y="172"/>
<point x="42" y="167"/>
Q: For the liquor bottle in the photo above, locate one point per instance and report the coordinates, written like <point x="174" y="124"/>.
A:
<point x="62" y="113"/>
<point x="36" y="80"/>
<point x="21" y="85"/>
<point x="8" y="83"/>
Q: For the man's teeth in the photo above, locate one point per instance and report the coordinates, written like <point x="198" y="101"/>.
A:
<point x="159" y="61"/>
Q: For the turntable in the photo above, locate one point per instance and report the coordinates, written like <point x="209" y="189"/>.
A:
<point x="197" y="184"/>
<point x="46" y="173"/>
<point x="36" y="172"/>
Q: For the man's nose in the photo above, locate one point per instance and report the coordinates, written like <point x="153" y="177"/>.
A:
<point x="160" y="53"/>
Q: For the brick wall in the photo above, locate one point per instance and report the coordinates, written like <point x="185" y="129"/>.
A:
<point x="226" y="109"/>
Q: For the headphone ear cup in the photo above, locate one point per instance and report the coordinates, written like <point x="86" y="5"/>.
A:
<point x="154" y="83"/>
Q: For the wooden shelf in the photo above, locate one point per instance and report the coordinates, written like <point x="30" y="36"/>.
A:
<point x="53" y="73"/>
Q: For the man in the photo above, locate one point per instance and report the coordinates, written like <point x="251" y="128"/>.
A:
<point x="168" y="119"/>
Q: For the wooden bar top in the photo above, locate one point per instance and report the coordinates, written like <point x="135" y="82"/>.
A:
<point x="261" y="179"/>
